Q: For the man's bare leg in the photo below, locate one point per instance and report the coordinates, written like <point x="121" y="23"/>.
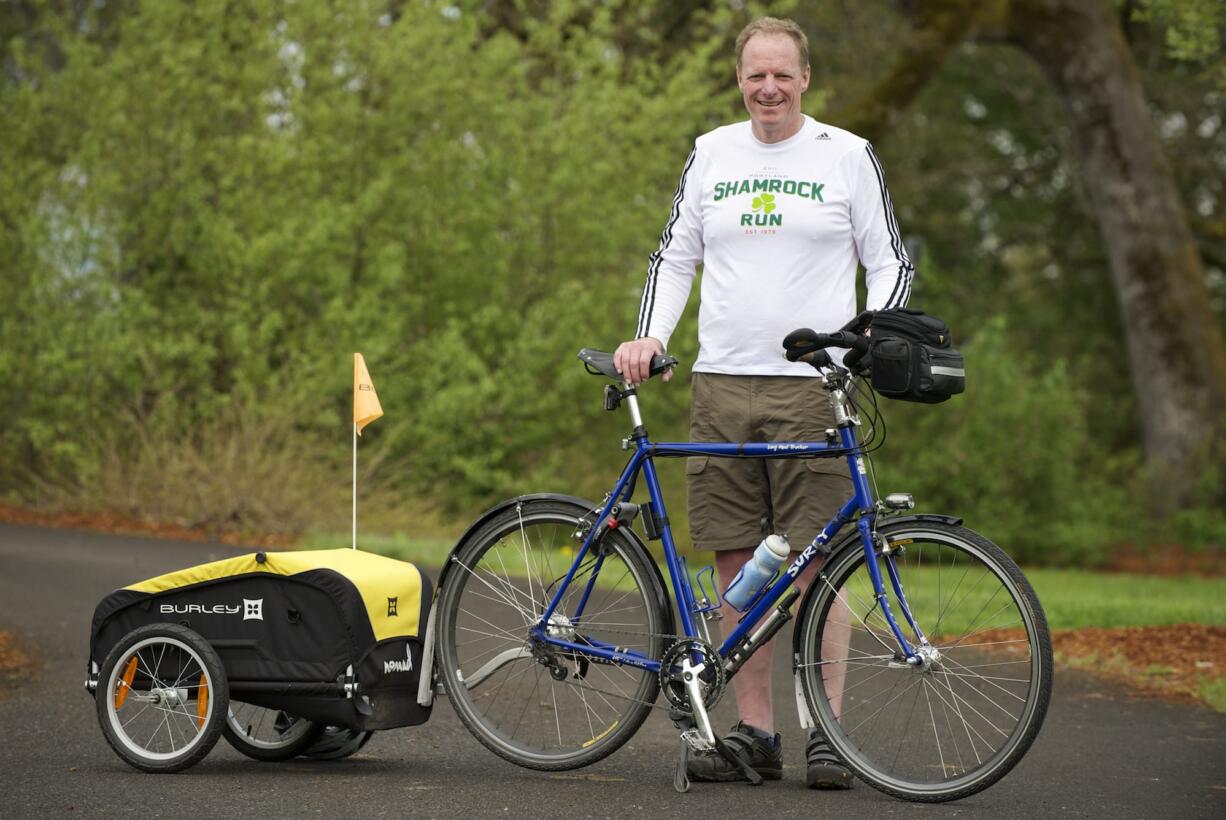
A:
<point x="752" y="683"/>
<point x="836" y="643"/>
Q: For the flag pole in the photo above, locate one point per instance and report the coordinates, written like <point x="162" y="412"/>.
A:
<point x="355" y="486"/>
<point x="366" y="409"/>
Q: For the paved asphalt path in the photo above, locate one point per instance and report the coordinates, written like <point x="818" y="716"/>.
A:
<point x="1101" y="753"/>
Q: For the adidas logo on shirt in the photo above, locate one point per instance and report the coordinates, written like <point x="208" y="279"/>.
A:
<point x="822" y="136"/>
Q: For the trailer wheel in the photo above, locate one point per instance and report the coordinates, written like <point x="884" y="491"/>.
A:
<point x="336" y="743"/>
<point x="268" y="735"/>
<point x="162" y="698"/>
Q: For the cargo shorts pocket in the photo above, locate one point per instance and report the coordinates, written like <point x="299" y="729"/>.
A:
<point x="825" y="487"/>
<point x="696" y="464"/>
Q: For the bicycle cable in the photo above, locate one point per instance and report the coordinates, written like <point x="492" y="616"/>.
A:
<point x="876" y="419"/>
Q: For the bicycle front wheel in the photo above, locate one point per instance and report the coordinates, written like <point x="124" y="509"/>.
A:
<point x="533" y="704"/>
<point x="958" y="722"/>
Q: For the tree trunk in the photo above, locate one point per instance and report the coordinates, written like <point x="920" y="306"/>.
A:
<point x="1176" y="354"/>
<point x="1175" y="348"/>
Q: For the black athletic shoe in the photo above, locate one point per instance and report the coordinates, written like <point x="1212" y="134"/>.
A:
<point x="763" y="753"/>
<point x="825" y="770"/>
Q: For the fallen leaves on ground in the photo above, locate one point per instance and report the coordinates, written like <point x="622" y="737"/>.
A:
<point x="119" y="523"/>
<point x="1175" y="661"/>
<point x="13" y="661"/>
<point x="1180" y="662"/>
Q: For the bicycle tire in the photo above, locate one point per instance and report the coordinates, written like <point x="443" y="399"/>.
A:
<point x="162" y="698"/>
<point x="957" y="725"/>
<point x="268" y="735"/>
<point x="499" y="586"/>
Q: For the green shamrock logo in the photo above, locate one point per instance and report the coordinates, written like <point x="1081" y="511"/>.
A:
<point x="764" y="203"/>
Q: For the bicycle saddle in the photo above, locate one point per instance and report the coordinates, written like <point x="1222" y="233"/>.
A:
<point x="598" y="362"/>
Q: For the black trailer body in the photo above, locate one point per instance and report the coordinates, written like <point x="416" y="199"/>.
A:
<point x="333" y="636"/>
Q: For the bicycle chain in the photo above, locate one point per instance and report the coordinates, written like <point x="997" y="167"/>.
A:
<point x="675" y="639"/>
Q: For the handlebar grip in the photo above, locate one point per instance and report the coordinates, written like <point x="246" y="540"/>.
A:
<point x="804" y="341"/>
<point x="818" y="358"/>
<point x="847" y="339"/>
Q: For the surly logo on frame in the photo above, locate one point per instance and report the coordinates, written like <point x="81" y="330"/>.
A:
<point x="405" y="665"/>
<point x="808" y="554"/>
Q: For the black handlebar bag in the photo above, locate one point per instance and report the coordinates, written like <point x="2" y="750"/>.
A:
<point x="912" y="357"/>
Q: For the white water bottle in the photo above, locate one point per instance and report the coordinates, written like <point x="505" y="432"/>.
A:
<point x="757" y="572"/>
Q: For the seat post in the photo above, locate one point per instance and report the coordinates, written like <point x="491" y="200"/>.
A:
<point x="632" y="401"/>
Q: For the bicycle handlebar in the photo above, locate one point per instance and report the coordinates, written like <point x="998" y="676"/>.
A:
<point x="805" y="345"/>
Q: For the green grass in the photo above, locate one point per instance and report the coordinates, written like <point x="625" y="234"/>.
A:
<point x="1213" y="690"/>
<point x="1072" y="599"/>
<point x="428" y="553"/>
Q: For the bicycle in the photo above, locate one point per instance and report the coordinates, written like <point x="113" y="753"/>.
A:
<point x="555" y="634"/>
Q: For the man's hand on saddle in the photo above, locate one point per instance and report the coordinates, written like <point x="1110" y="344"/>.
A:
<point x="633" y="359"/>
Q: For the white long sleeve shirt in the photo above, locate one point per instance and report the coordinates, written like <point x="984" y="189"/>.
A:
<point x="779" y="229"/>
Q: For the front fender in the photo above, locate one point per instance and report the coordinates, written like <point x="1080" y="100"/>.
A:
<point x="852" y="535"/>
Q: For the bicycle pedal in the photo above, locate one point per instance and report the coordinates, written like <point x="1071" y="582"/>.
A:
<point x="681" y="780"/>
<point x="694" y="740"/>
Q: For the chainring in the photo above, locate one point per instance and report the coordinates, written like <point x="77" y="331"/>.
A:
<point x="714" y="678"/>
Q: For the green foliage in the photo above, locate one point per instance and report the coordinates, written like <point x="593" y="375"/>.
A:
<point x="1011" y="456"/>
<point x="204" y="212"/>
<point x="1193" y="28"/>
<point x="207" y="210"/>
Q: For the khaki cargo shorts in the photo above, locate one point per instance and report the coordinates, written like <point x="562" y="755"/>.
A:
<point x="736" y="502"/>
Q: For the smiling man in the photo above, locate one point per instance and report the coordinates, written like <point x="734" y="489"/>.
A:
<point x="780" y="211"/>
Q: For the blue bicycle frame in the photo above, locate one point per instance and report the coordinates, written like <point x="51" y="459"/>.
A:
<point x="861" y="502"/>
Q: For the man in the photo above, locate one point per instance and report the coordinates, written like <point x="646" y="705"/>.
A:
<point x="779" y="210"/>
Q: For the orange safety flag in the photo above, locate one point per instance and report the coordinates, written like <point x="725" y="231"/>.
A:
<point x="366" y="407"/>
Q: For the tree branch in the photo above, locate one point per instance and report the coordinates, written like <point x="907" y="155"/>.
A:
<point x="938" y="28"/>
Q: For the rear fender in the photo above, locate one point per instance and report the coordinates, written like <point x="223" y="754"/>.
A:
<point x="494" y="511"/>
<point x="581" y="507"/>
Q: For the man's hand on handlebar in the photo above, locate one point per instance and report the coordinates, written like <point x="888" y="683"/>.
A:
<point x="633" y="359"/>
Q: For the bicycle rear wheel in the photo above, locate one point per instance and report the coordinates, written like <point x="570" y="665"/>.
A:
<point x="535" y="705"/>
<point x="957" y="723"/>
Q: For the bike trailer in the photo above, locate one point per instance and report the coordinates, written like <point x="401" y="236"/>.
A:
<point x="333" y="636"/>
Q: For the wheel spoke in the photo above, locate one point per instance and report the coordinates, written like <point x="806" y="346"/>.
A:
<point x="519" y="711"/>
<point x="961" y="714"/>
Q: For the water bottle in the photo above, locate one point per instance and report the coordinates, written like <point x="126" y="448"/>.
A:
<point x="757" y="572"/>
